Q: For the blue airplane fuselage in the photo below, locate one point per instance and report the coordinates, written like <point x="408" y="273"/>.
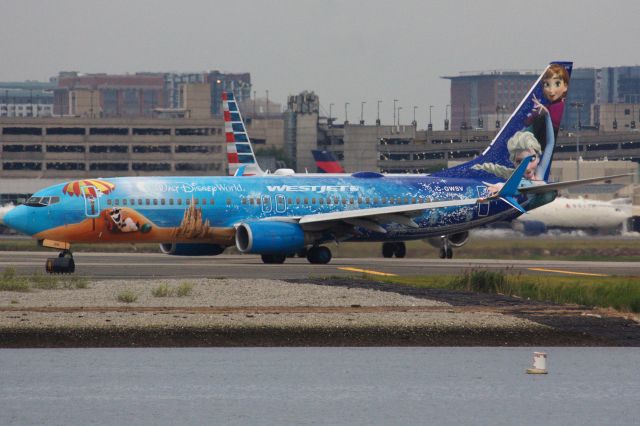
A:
<point x="227" y="201"/>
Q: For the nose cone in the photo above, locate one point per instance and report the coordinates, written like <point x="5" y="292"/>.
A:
<point x="17" y="219"/>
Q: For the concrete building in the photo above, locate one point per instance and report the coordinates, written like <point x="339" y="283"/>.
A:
<point x="37" y="152"/>
<point x="26" y="99"/>
<point x="485" y="99"/>
<point x="141" y="94"/>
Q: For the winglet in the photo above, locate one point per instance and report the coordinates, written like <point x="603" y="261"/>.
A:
<point x="509" y="191"/>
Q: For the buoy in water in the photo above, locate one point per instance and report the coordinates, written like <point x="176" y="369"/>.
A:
<point x="539" y="363"/>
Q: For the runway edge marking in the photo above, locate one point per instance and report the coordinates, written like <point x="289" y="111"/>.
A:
<point x="366" y="271"/>
<point x="567" y="272"/>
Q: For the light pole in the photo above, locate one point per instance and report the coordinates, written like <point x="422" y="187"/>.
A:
<point x="346" y="118"/>
<point x="399" y="108"/>
<point x="267" y="111"/>
<point x="394" y="112"/>
<point x="578" y="106"/>
<point x="414" y="122"/>
<point x="254" y="103"/>
<point x="330" y="119"/>
<point x="430" y="125"/>
<point x="378" y="117"/>
<point x="362" y="113"/>
<point x="446" y="117"/>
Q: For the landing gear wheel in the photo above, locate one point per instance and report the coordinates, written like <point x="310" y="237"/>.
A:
<point x="388" y="249"/>
<point x="319" y="255"/>
<point x="446" y="252"/>
<point x="63" y="264"/>
<point x="400" y="250"/>
<point x="449" y="253"/>
<point x="273" y="258"/>
<point x="443" y="253"/>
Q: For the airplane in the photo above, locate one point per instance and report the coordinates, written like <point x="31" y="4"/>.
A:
<point x="274" y="216"/>
<point x="575" y="214"/>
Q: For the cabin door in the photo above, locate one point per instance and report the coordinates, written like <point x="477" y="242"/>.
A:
<point x="281" y="203"/>
<point x="91" y="201"/>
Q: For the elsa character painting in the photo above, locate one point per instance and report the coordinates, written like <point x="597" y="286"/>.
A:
<point x="520" y="146"/>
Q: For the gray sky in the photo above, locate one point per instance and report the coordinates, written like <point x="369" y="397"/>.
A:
<point x="345" y="51"/>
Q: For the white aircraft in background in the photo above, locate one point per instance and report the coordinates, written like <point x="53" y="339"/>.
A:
<point x="575" y="214"/>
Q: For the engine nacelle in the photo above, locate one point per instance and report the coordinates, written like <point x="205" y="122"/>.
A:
<point x="529" y="227"/>
<point x="191" y="249"/>
<point x="455" y="240"/>
<point x="267" y="237"/>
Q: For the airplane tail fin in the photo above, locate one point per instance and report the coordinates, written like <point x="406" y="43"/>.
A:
<point x="531" y="130"/>
<point x="239" y="149"/>
<point x="326" y="162"/>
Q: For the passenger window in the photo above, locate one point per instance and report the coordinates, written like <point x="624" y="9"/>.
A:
<point x="251" y="201"/>
<point x="204" y="201"/>
<point x="163" y="201"/>
<point x="196" y="201"/>
<point x="306" y="201"/>
<point x="228" y="201"/>
<point x="350" y="200"/>
<point x="212" y="202"/>
<point x="187" y="201"/>
<point x="139" y="201"/>
<point x="244" y="200"/>
<point x="132" y="202"/>
<point x="321" y="201"/>
<point x="313" y="200"/>
<point x="147" y="201"/>
<point x="116" y="202"/>
<point x="258" y="200"/>
<point x="170" y="201"/>
<point x="155" y="201"/>
<point x="108" y="202"/>
<point x="179" y="200"/>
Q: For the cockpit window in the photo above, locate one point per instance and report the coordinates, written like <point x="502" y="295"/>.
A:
<point x="42" y="201"/>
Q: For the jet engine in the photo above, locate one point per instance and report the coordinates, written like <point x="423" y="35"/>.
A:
<point x="268" y="237"/>
<point x="191" y="249"/>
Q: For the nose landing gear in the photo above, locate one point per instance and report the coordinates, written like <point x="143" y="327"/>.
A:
<point x="63" y="264"/>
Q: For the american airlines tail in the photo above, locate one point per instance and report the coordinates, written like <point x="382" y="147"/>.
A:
<point x="241" y="158"/>
<point x="530" y="130"/>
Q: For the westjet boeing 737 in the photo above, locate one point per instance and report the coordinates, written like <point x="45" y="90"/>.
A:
<point x="275" y="215"/>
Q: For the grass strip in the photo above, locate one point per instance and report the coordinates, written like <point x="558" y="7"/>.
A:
<point x="619" y="293"/>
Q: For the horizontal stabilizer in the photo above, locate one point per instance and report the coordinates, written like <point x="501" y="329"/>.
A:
<point x="537" y="189"/>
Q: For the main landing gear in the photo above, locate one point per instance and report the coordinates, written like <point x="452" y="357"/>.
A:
<point x="445" y="250"/>
<point x="398" y="250"/>
<point x="63" y="264"/>
<point x="319" y="255"/>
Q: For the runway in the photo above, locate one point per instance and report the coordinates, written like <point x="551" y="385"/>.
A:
<point x="145" y="265"/>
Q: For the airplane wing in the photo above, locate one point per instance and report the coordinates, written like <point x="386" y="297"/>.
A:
<point x="373" y="218"/>
<point x="536" y="189"/>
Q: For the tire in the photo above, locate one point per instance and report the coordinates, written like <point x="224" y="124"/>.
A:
<point x="400" y="250"/>
<point x="387" y="250"/>
<point x="319" y="255"/>
<point x="273" y="258"/>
